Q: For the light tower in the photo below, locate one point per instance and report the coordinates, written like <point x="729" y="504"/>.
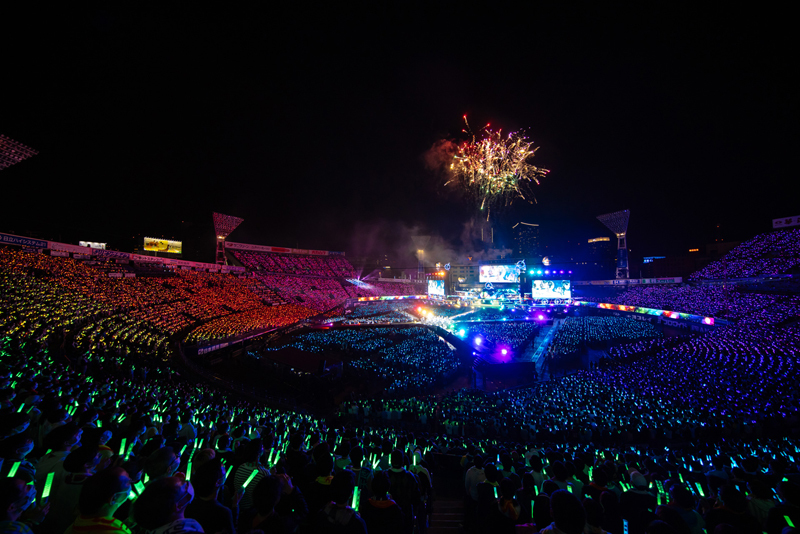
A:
<point x="420" y="242"/>
<point x="617" y="222"/>
<point x="12" y="152"/>
<point x="223" y="226"/>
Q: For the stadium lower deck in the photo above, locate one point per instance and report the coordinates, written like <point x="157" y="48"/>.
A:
<point x="604" y="395"/>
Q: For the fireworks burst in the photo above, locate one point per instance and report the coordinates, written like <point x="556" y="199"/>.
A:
<point x="495" y="169"/>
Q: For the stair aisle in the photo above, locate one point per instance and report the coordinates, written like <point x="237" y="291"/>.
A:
<point x="447" y="517"/>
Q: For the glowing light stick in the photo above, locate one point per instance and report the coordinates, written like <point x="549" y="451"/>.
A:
<point x="122" y="446"/>
<point x="228" y="472"/>
<point x="188" y="471"/>
<point x="700" y="489"/>
<point x="250" y="478"/>
<point x="788" y="521"/>
<point x="13" y="470"/>
<point x="182" y="450"/>
<point x="21" y="406"/>
<point x="48" y="483"/>
<point x="356" y="493"/>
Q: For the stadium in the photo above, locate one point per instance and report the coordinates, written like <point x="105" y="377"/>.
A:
<point x="286" y="347"/>
<point x="324" y="268"/>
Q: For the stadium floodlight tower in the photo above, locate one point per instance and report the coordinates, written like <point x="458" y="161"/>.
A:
<point x="617" y="222"/>
<point x="12" y="152"/>
<point x="223" y="226"/>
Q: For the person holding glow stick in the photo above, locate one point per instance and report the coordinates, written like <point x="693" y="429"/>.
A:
<point x="16" y="497"/>
<point x="100" y="497"/>
<point x="338" y="516"/>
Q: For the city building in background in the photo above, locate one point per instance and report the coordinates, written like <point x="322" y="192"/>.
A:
<point x="527" y="242"/>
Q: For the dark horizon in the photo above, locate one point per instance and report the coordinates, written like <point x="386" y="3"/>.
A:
<point x="312" y="126"/>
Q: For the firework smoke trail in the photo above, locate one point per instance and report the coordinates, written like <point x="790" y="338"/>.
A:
<point x="495" y="169"/>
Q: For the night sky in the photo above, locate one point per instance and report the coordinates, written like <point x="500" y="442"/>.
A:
<point x="312" y="124"/>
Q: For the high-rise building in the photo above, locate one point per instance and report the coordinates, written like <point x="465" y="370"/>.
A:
<point x="526" y="240"/>
<point x="602" y="257"/>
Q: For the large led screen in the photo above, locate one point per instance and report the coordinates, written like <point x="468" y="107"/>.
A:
<point x="162" y="245"/>
<point x="436" y="287"/>
<point x="551" y="289"/>
<point x="499" y="274"/>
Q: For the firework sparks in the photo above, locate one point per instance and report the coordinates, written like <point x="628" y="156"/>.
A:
<point x="495" y="169"/>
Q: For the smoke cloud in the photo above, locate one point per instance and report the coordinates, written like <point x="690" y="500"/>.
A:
<point x="401" y="243"/>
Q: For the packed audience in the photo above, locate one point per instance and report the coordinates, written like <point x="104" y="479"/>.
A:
<point x="405" y="361"/>
<point x="576" y="333"/>
<point x="669" y="435"/>
<point x="516" y="336"/>
<point x="321" y="283"/>
<point x="43" y="296"/>
<point x="766" y="254"/>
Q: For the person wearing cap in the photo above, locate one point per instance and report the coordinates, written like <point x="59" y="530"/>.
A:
<point x="638" y="505"/>
<point x="101" y="496"/>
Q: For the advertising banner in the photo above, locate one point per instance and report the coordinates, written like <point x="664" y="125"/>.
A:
<point x="786" y="221"/>
<point x="280" y="250"/>
<point x="92" y="244"/>
<point x="499" y="274"/>
<point x="10" y="239"/>
<point x="154" y="244"/>
<point x="52" y="245"/>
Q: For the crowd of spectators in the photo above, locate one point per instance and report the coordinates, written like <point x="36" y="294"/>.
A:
<point x="673" y="435"/>
<point x="298" y="264"/>
<point x="43" y="296"/>
<point x="515" y="336"/>
<point x="598" y="332"/>
<point x="407" y="361"/>
<point x="766" y="254"/>
<point x="321" y="283"/>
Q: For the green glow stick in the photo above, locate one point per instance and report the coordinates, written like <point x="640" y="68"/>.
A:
<point x="189" y="471"/>
<point x="183" y="449"/>
<point x="250" y="478"/>
<point x="122" y="446"/>
<point x="139" y="487"/>
<point x="21" y="406"/>
<point x="14" y="468"/>
<point x="700" y="489"/>
<point x="228" y="472"/>
<point x="788" y="521"/>
<point x="48" y="483"/>
<point x="356" y="491"/>
<point x="99" y="424"/>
